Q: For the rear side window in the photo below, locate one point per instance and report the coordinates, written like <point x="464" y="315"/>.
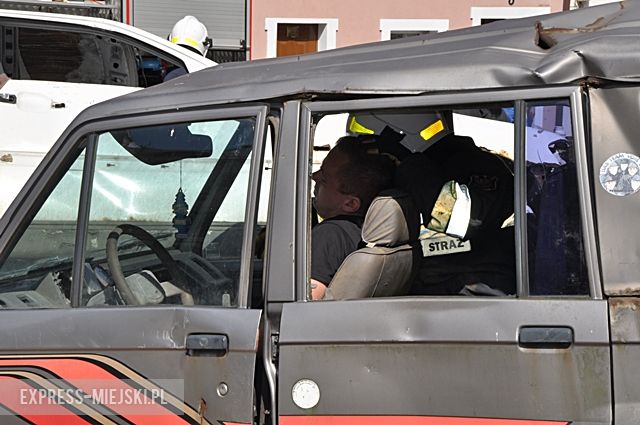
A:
<point x="459" y="166"/>
<point x="79" y="57"/>
<point x="554" y="226"/>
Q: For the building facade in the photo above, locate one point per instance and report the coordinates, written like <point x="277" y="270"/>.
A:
<point x="255" y="29"/>
<point x="285" y="27"/>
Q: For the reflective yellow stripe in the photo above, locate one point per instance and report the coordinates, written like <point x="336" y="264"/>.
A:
<point x="186" y="40"/>
<point x="441" y="213"/>
<point x="356" y="127"/>
<point x="432" y="130"/>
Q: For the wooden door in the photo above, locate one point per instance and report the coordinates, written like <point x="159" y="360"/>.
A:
<point x="297" y="39"/>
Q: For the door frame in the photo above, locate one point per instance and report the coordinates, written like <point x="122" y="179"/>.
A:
<point x="74" y="330"/>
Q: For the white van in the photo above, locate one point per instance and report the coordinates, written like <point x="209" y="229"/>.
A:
<point x="59" y="65"/>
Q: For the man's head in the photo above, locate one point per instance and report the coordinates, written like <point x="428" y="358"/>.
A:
<point x="350" y="177"/>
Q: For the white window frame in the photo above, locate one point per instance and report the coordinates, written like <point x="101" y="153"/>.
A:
<point x="480" y="13"/>
<point x="389" y="25"/>
<point x="327" y="29"/>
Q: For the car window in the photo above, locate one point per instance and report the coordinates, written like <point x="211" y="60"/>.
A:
<point x="556" y="249"/>
<point x="37" y="273"/>
<point x="454" y="161"/>
<point x="153" y="69"/>
<point x="155" y="192"/>
<point x="80" y="57"/>
<point x="148" y="183"/>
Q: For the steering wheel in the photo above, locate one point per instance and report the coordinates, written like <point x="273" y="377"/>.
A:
<point x="177" y="276"/>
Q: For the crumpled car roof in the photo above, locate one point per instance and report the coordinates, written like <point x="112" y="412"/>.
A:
<point x="600" y="42"/>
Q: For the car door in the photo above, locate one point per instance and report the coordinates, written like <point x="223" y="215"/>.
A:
<point x="34" y="114"/>
<point x="184" y="350"/>
<point x="539" y="353"/>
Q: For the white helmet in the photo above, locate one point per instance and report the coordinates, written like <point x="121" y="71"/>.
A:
<point x="190" y="33"/>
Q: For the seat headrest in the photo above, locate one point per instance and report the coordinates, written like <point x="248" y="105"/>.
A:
<point x="391" y="220"/>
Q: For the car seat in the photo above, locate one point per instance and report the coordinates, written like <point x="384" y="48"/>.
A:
<point x="386" y="264"/>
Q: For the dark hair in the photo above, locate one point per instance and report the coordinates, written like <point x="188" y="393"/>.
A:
<point x="366" y="172"/>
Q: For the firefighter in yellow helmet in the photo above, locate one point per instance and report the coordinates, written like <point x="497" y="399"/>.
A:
<point x="191" y="34"/>
<point x="464" y="194"/>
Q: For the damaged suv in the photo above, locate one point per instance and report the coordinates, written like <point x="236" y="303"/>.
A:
<point x="164" y="244"/>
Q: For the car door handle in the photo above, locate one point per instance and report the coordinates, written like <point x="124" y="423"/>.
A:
<point x="207" y="345"/>
<point x="545" y="337"/>
<point x="32" y="101"/>
<point x="8" y="98"/>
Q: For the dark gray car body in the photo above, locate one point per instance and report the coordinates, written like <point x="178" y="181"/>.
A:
<point x="426" y="359"/>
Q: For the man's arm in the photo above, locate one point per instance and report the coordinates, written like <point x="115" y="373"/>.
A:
<point x="330" y="245"/>
<point x="326" y="240"/>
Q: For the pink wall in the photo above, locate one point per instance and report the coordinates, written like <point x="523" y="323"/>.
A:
<point x="359" y="20"/>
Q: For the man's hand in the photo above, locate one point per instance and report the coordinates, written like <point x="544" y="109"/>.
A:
<point x="3" y="79"/>
<point x="317" y="289"/>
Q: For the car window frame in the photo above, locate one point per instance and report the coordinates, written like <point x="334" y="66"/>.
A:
<point x="519" y="97"/>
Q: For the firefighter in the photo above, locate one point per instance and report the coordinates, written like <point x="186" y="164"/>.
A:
<point x="191" y="34"/>
<point x="464" y="194"/>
